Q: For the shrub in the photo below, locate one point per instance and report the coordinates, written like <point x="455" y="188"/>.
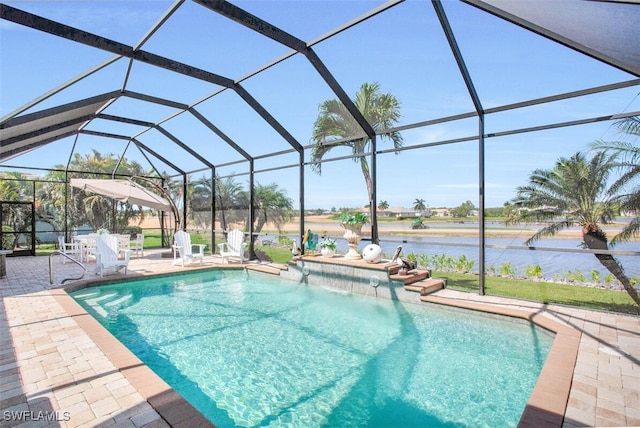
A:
<point x="463" y="264"/>
<point x="534" y="271"/>
<point x="506" y="269"/>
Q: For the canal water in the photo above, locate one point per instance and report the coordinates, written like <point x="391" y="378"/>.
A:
<point x="546" y="253"/>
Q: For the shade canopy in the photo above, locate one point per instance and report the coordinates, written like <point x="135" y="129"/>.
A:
<point x="123" y="191"/>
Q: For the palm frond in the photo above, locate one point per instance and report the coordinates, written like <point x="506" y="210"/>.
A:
<point x="629" y="125"/>
<point x="549" y="231"/>
<point x="629" y="232"/>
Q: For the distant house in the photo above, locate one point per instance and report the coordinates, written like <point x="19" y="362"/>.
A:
<point x="440" y="212"/>
<point x="401" y="212"/>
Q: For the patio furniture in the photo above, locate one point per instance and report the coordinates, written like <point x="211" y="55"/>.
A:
<point x="107" y="253"/>
<point x="87" y="244"/>
<point x="137" y="244"/>
<point x="183" y="249"/>
<point x="124" y="242"/>
<point x="71" y="249"/>
<point x="234" y="247"/>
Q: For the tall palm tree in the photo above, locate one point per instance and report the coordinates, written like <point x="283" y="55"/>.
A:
<point x="575" y="192"/>
<point x="335" y="123"/>
<point x="419" y="205"/>
<point x="383" y="205"/>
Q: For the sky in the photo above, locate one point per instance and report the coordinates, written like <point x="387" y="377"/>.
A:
<point x="403" y="49"/>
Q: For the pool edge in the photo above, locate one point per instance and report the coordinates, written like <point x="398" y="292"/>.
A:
<point x="170" y="405"/>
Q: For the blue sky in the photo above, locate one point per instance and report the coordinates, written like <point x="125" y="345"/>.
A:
<point x="403" y="49"/>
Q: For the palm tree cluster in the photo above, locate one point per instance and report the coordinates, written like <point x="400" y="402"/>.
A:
<point x="87" y="208"/>
<point x="270" y="203"/>
<point x="579" y="190"/>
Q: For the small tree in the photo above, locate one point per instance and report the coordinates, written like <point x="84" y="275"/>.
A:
<point x="463" y="210"/>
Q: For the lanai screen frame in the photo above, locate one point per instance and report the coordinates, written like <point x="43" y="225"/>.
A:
<point x="305" y="49"/>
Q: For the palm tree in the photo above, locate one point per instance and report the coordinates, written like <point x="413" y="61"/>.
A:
<point x="271" y="205"/>
<point x="575" y="192"/>
<point x="335" y="123"/>
<point x="629" y="165"/>
<point x="228" y="193"/>
<point x="383" y="205"/>
<point x="419" y="205"/>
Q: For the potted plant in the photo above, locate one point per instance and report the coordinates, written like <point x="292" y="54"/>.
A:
<point x="353" y="218"/>
<point x="353" y="222"/>
<point x="328" y="247"/>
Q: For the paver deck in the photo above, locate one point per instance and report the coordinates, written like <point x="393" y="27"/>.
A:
<point x="59" y="367"/>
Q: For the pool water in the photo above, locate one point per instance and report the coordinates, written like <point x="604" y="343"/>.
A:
<point x="249" y="349"/>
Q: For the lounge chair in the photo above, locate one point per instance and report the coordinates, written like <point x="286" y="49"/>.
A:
<point x="183" y="249"/>
<point x="137" y="244"/>
<point x="71" y="249"/>
<point x="234" y="247"/>
<point x="107" y="253"/>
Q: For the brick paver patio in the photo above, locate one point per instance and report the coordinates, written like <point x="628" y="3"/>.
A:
<point x="59" y="367"/>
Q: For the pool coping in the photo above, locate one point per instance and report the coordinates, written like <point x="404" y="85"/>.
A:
<point x="546" y="406"/>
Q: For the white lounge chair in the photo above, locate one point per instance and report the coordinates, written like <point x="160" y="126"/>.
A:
<point x="183" y="249"/>
<point x="107" y="253"/>
<point x="71" y="249"/>
<point x="137" y="244"/>
<point x="234" y="247"/>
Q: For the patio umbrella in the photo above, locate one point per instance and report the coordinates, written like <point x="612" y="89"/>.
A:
<point x="123" y="191"/>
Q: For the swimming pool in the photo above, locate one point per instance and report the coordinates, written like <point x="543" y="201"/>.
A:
<point x="249" y="349"/>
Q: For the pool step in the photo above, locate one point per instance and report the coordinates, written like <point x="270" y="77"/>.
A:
<point x="426" y="286"/>
<point x="272" y="268"/>
<point x="409" y="277"/>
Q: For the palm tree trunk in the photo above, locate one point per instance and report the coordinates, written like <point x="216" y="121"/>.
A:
<point x="596" y="241"/>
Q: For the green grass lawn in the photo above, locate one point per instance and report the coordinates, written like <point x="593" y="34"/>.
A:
<point x="546" y="292"/>
<point x="537" y="291"/>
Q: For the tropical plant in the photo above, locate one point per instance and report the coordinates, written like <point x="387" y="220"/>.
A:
<point x="419" y="205"/>
<point x="383" y="205"/>
<point x="628" y="163"/>
<point x="463" y="264"/>
<point x="575" y="192"/>
<point x="84" y="207"/>
<point x="336" y="127"/>
<point x="228" y="194"/>
<point x="506" y="269"/>
<point x="534" y="271"/>
<point x="271" y="204"/>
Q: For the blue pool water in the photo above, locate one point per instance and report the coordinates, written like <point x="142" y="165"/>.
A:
<point x="248" y="349"/>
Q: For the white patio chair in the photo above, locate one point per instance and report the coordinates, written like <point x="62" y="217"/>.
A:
<point x="124" y="241"/>
<point x="183" y="249"/>
<point x="107" y="253"/>
<point x="137" y="244"/>
<point x="71" y="249"/>
<point x="234" y="247"/>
